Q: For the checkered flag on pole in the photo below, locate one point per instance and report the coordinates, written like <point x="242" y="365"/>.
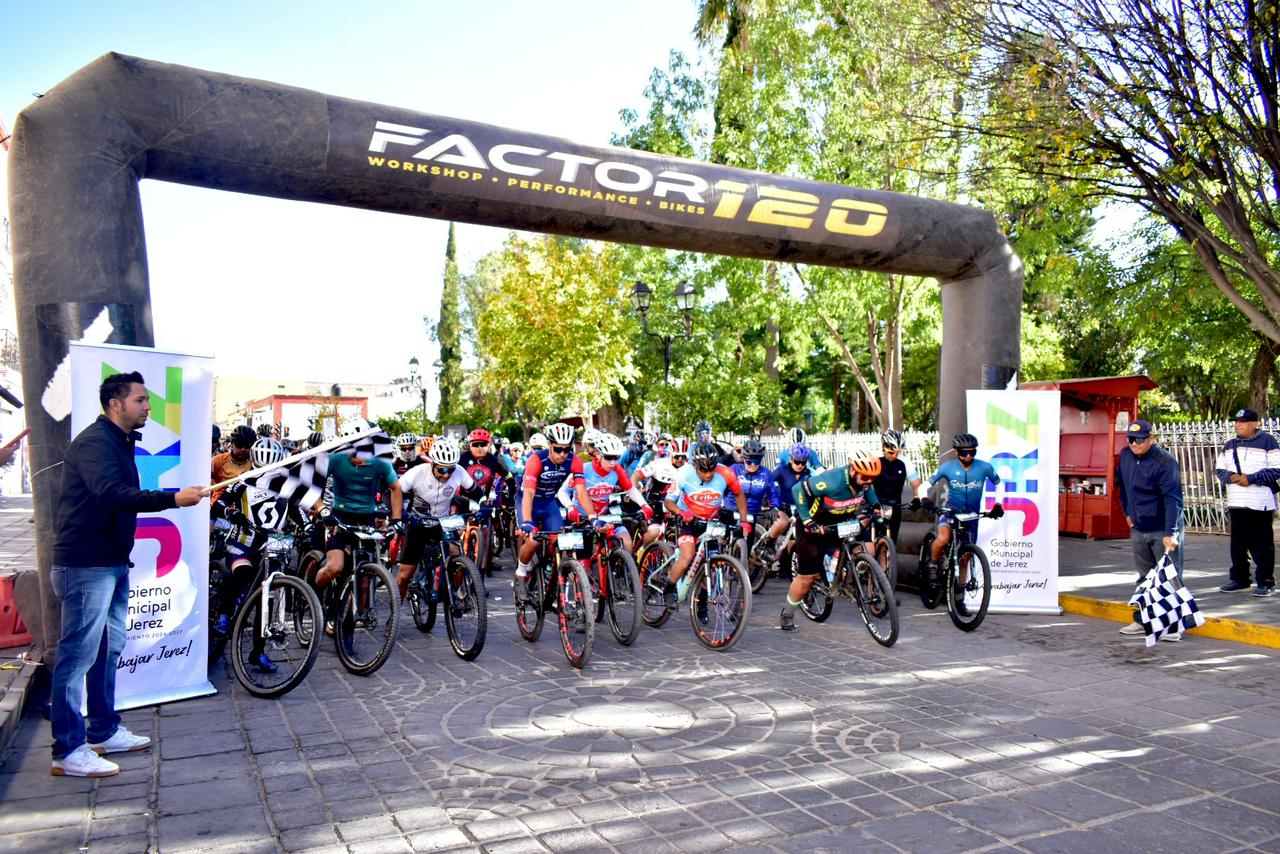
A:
<point x="1162" y="605"/>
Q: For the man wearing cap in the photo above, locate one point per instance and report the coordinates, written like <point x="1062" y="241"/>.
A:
<point x="1248" y="466"/>
<point x="1150" y="487"/>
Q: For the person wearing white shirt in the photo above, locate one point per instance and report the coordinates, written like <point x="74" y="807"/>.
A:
<point x="1249" y="466"/>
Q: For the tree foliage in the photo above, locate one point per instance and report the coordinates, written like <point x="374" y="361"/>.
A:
<point x="448" y="332"/>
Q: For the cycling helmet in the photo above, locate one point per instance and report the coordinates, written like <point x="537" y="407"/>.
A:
<point x="706" y="456"/>
<point x="480" y="435"/>
<point x="500" y="442"/>
<point x="217" y="432"/>
<point x="753" y="449"/>
<point x="425" y="444"/>
<point x="315" y="439"/>
<point x="406" y="440"/>
<point x="267" y="452"/>
<point x="444" y="454"/>
<point x="666" y="437"/>
<point x="703" y="426"/>
<point x="680" y="447"/>
<point x="537" y="442"/>
<point x="864" y="463"/>
<point x="264" y="431"/>
<point x="892" y="440"/>
<point x="516" y="449"/>
<point x="796" y="436"/>
<point x="964" y="440"/>
<point x="560" y="433"/>
<point x="800" y="453"/>
<point x="243" y="436"/>
<point x="591" y="436"/>
<point x="609" y="445"/>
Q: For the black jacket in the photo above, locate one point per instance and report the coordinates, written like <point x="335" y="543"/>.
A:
<point x="100" y="502"/>
<point x="1150" y="489"/>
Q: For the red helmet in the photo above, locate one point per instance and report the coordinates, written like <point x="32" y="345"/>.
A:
<point x="479" y="435"/>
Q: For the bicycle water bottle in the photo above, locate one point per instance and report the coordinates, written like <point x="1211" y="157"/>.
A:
<point x="829" y="564"/>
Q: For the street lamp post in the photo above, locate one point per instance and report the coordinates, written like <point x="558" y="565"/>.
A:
<point x="642" y="299"/>
<point x="415" y="381"/>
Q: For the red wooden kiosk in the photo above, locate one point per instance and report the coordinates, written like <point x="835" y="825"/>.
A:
<point x="1095" y="414"/>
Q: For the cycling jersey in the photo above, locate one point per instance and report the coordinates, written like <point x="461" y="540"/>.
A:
<point x="600" y="485"/>
<point x="631" y="457"/>
<point x="431" y="497"/>
<point x="487" y="471"/>
<point x="964" y="486"/>
<point x="758" y="487"/>
<point x="786" y="479"/>
<point x="893" y="478"/>
<point x="659" y="473"/>
<point x="265" y="511"/>
<point x="703" y="499"/>
<point x="545" y="477"/>
<point x="356" y="487"/>
<point x="832" y="496"/>
<point x="224" y="467"/>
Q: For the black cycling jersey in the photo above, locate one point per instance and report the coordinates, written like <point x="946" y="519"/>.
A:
<point x="891" y="480"/>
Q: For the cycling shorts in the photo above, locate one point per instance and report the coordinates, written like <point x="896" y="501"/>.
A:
<point x="239" y="554"/>
<point x="339" y="539"/>
<point x="812" y="547"/>
<point x="416" y="539"/>
<point x="548" y="515"/>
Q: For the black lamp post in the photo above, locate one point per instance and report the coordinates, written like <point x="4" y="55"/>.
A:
<point x="415" y="381"/>
<point x="642" y="299"/>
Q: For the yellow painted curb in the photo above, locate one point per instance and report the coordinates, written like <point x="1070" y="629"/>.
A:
<point x="1220" y="628"/>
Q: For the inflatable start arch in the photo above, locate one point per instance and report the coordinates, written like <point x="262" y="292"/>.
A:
<point x="80" y="257"/>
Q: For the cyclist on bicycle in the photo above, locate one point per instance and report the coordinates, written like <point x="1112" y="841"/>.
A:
<point x="640" y="442"/>
<point x="233" y="463"/>
<point x="796" y="436"/>
<point x="432" y="489"/>
<point x="966" y="477"/>
<point x="544" y="474"/>
<point x="822" y="501"/>
<point x="604" y="476"/>
<point x="786" y="475"/>
<point x="697" y="496"/>
<point x="406" y="449"/>
<point x="356" y="483"/>
<point x="758" y="483"/>
<point x="489" y="474"/>
<point x="661" y="448"/>
<point x="657" y="478"/>
<point x="895" y="474"/>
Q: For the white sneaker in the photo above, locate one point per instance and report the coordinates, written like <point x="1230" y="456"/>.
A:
<point x="83" y="762"/>
<point x="122" y="742"/>
<point x="1132" y="629"/>
<point x="1173" y="638"/>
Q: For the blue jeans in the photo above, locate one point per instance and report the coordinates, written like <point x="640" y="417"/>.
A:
<point x="95" y="602"/>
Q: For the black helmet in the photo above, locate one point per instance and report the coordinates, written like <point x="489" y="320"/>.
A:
<point x="706" y="456"/>
<point x="316" y="439"/>
<point x="243" y="437"/>
<point x="964" y="440"/>
<point x="217" y="432"/>
<point x="753" y="449"/>
<point x="703" y="426"/>
<point x="264" y="430"/>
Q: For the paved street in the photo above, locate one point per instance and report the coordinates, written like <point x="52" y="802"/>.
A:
<point x="1046" y="734"/>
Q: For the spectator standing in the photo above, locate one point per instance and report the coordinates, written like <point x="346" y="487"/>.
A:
<point x="1150" y="486"/>
<point x="97" y="514"/>
<point x="1248" y="466"/>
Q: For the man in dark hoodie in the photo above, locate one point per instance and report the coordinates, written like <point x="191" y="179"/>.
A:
<point x="97" y="515"/>
<point x="1150" y="487"/>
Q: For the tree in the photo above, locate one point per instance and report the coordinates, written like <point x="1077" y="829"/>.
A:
<point x="448" y="332"/>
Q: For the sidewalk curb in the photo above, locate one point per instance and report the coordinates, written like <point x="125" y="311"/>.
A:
<point x="1219" y="628"/>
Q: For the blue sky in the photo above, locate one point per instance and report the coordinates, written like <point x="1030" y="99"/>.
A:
<point x="267" y="286"/>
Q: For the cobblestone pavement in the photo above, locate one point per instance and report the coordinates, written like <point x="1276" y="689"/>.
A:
<point x="1040" y="734"/>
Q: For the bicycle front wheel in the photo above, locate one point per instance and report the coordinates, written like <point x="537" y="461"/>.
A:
<point x="577" y="611"/>
<point x="270" y="656"/>
<point x="531" y="613"/>
<point x="969" y="595"/>
<point x="466" y="613"/>
<point x="364" y="629"/>
<point x="719" y="602"/>
<point x="624" y="596"/>
<point x="818" y="602"/>
<point x="875" y="601"/>
<point x="653" y="578"/>
<point x="930" y="593"/>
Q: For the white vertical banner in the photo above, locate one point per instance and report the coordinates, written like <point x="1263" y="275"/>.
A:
<point x="1018" y="434"/>
<point x="166" y="655"/>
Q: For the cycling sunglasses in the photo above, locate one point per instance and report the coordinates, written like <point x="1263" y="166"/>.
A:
<point x="799" y="462"/>
<point x="753" y="461"/>
<point x="560" y="449"/>
<point x="609" y="459"/>
<point x="479" y="444"/>
<point x="679" y="456"/>
<point x="443" y="471"/>
<point x="966" y="452"/>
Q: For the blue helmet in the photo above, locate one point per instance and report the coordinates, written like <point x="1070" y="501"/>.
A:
<point x="800" y="453"/>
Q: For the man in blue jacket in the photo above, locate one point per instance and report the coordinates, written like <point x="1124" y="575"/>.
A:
<point x="97" y="515"/>
<point x="1150" y="487"/>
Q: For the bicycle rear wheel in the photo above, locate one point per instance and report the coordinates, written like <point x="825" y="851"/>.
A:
<point x="719" y="602"/>
<point x="624" y="596"/>
<point x="653" y="578"/>
<point x="419" y="598"/>
<point x="531" y="613"/>
<point x="930" y="594"/>
<point x="818" y="602"/>
<point x="291" y="603"/>
<point x="967" y="603"/>
<point x="364" y="629"/>
<point x="219" y="580"/>
<point x="887" y="556"/>
<point x="577" y="611"/>
<point x="466" y="613"/>
<point x="875" y="601"/>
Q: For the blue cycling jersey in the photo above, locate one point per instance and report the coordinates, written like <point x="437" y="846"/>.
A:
<point x="757" y="487"/>
<point x="964" y="486"/>
<point x="785" y="478"/>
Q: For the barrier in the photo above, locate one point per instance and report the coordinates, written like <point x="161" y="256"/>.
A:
<point x="13" y="632"/>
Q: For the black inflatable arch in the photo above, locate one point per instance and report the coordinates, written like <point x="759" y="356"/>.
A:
<point x="76" y="217"/>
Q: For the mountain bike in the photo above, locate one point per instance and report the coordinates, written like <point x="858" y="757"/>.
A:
<point x="852" y="572"/>
<point x="782" y="562"/>
<point x="719" y="590"/>
<point x="445" y="577"/>
<point x="615" y="580"/>
<point x="477" y="537"/>
<point x="882" y="545"/>
<point x="558" y="584"/>
<point x="963" y="576"/>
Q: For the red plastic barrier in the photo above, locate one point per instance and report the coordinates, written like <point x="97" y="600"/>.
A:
<point x="13" y="632"/>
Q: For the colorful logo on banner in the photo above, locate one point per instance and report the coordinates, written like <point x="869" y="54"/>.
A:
<point x="1019" y="489"/>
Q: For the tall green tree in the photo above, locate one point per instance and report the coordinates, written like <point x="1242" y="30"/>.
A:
<point x="448" y="331"/>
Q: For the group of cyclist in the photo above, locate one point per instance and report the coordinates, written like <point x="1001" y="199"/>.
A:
<point x="664" y="478"/>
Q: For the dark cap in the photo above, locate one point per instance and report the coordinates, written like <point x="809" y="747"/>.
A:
<point x="1139" y="429"/>
<point x="1246" y="415"/>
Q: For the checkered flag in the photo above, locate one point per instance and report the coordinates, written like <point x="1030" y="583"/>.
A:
<point x="1162" y="605"/>
<point x="301" y="478"/>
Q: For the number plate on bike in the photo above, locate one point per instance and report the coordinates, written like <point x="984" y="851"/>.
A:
<point x="451" y="523"/>
<point x="569" y="541"/>
<point x="611" y="519"/>
<point x="852" y="528"/>
<point x="715" y="529"/>
<point x="277" y="544"/>
<point x="887" y="510"/>
<point x="967" y="517"/>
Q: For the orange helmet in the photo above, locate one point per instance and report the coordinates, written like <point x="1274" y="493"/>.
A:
<point x="862" y="462"/>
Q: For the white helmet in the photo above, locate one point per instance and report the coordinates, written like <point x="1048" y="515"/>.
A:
<point x="515" y="449"/>
<point x="609" y="445"/>
<point x="591" y="436"/>
<point x="560" y="433"/>
<point x="444" y="453"/>
<point x="537" y="441"/>
<point x="266" y="452"/>
<point x="406" y="440"/>
<point x="795" y="436"/>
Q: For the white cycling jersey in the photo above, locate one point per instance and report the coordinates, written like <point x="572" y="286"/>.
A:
<point x="660" y="469"/>
<point x="430" y="497"/>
